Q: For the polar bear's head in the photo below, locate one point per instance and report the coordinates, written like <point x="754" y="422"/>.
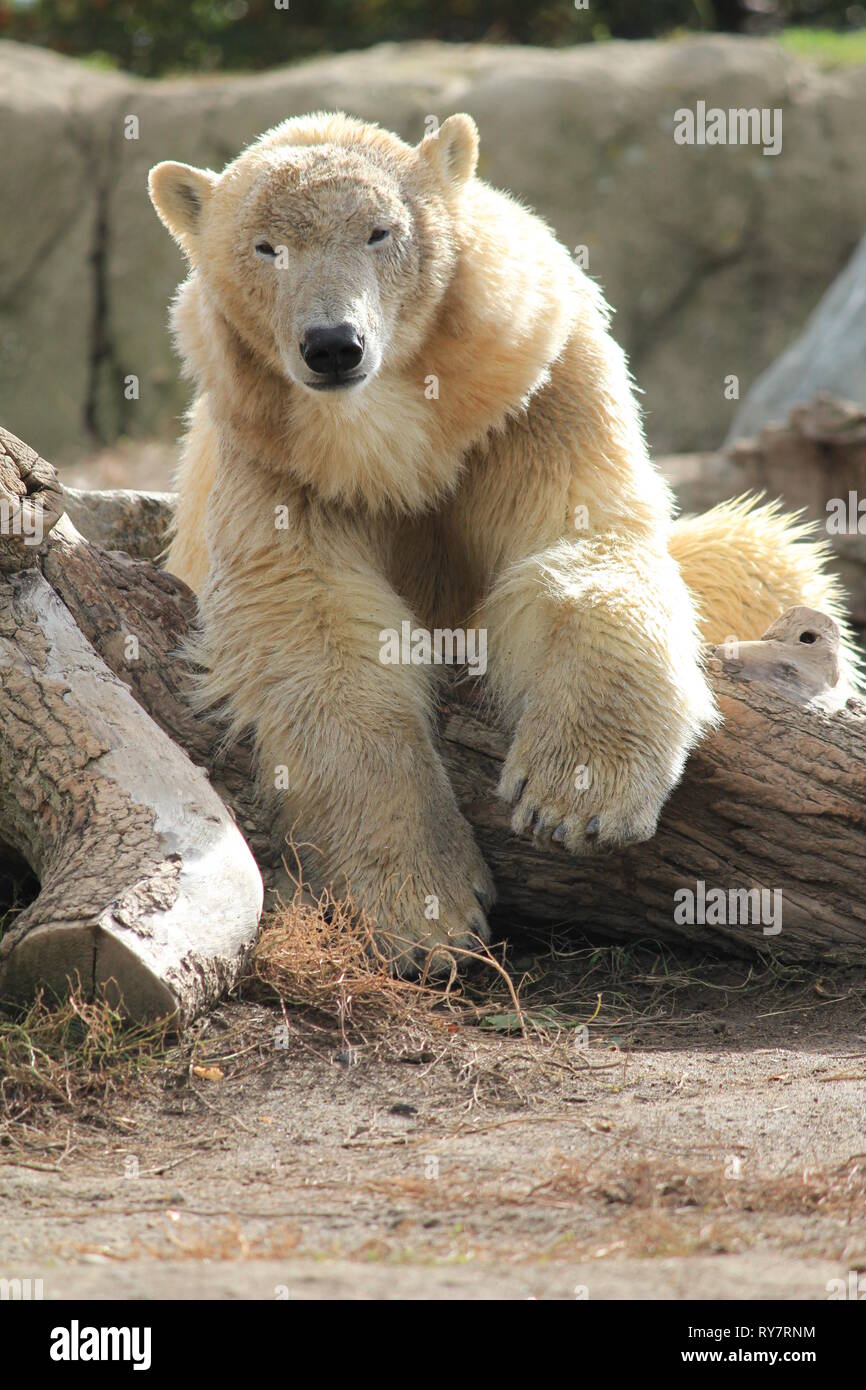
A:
<point x="327" y="246"/>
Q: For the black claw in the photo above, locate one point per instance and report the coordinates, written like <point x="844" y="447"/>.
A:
<point x="521" y="788"/>
<point x="536" y="822"/>
<point x="483" y="898"/>
<point x="592" y="827"/>
<point x="559" y="834"/>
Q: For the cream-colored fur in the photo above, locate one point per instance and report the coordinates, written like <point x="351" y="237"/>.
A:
<point x="489" y="470"/>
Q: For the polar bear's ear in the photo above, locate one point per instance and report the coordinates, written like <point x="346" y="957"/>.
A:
<point x="453" y="149"/>
<point x="180" y="195"/>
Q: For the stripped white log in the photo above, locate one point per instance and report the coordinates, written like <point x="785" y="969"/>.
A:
<point x="147" y="886"/>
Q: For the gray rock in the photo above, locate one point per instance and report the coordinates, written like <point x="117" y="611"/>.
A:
<point x="50" y="162"/>
<point x="829" y="355"/>
<point x="712" y="256"/>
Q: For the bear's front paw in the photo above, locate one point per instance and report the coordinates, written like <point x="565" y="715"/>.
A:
<point x="582" y="798"/>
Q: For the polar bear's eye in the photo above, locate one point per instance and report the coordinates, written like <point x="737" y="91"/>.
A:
<point x="379" y="234"/>
<point x="265" y="250"/>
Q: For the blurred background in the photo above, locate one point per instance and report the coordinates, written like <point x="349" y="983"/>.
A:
<point x="162" y="37"/>
<point x="734" y="274"/>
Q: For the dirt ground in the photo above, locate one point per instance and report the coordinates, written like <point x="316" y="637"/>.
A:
<point x="703" y="1139"/>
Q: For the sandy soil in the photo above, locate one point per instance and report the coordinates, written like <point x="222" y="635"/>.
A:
<point x="708" y="1142"/>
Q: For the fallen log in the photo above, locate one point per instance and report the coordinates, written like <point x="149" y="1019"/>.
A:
<point x="121" y="519"/>
<point x="772" y="802"/>
<point x="146" y="885"/>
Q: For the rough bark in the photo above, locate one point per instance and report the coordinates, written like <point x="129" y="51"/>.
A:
<point x="121" y="519"/>
<point x="145" y="879"/>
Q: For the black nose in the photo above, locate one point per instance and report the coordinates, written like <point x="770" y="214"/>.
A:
<point x="328" y="351"/>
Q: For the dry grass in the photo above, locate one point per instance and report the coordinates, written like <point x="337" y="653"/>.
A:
<point x="651" y="1209"/>
<point x="640" y="1208"/>
<point x="321" y="960"/>
<point x="68" y="1054"/>
<point x="323" y="955"/>
<point x="658" y="1209"/>
<point x="652" y="1186"/>
<point x="224" y="1241"/>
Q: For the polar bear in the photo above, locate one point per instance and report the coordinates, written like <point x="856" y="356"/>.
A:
<point x="410" y="410"/>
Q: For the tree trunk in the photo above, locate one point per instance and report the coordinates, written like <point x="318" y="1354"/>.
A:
<point x="145" y="876"/>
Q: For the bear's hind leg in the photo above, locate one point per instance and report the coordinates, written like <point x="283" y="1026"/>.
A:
<point x="745" y="563"/>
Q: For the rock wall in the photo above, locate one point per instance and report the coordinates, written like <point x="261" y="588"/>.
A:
<point x="712" y="256"/>
<point x="828" y="356"/>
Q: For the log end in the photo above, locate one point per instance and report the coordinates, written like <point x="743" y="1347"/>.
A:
<point x="799" y="656"/>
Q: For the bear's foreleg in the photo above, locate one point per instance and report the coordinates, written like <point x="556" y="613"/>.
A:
<point x="299" y="650"/>
<point x="594" y="660"/>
